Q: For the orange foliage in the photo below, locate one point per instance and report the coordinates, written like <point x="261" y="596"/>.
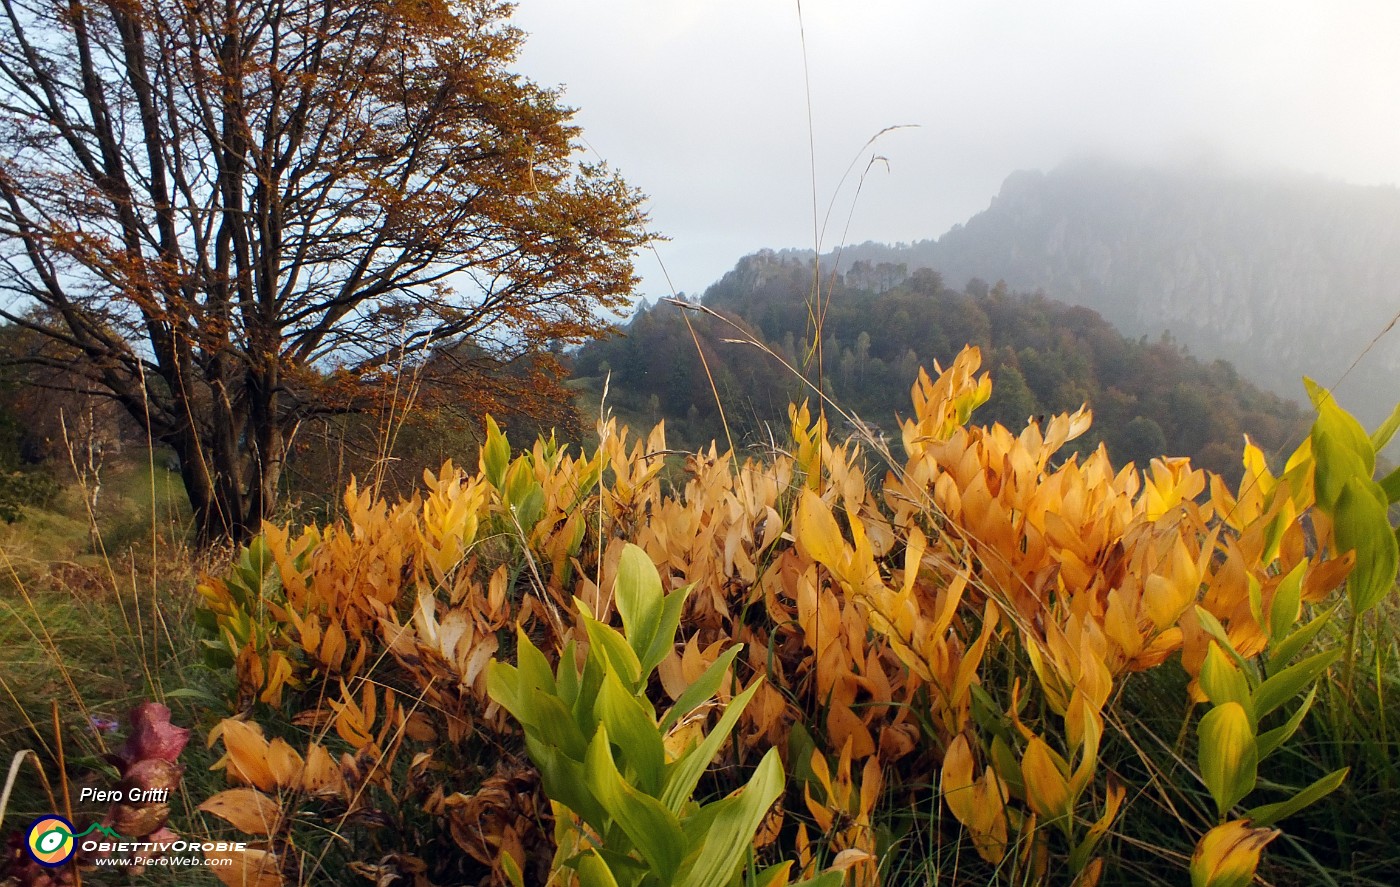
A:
<point x="868" y="607"/>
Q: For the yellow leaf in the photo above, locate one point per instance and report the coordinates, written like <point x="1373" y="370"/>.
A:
<point x="1228" y="854"/>
<point x="247" y="754"/>
<point x="957" y="780"/>
<point x="989" y="828"/>
<point x="245" y="868"/>
<point x="1256" y="468"/>
<point x="845" y="726"/>
<point x="1047" y="789"/>
<point x="1165" y="600"/>
<point x="847" y="858"/>
<point x="818" y="536"/>
<point x="333" y="645"/>
<point x="871" y="780"/>
<point x="246" y="809"/>
<point x="286" y="765"/>
<point x="978" y="804"/>
<point x="321" y="774"/>
<point x="279" y="673"/>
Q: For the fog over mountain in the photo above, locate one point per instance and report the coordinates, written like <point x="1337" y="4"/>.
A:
<point x="1282" y="275"/>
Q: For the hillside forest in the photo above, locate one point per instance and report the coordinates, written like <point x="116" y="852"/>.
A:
<point x="881" y="323"/>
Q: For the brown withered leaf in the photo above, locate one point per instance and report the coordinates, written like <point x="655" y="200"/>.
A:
<point x="313" y="719"/>
<point x="246" y="809"/>
<point x="248" y="669"/>
<point x="503" y="817"/>
<point x="419" y="728"/>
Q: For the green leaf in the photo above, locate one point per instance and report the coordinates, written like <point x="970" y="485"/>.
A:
<point x="568" y="679"/>
<point x="592" y="473"/>
<point x="576" y="537"/>
<point x="613" y="653"/>
<point x="549" y="720"/>
<point x="503" y="685"/>
<point x="800" y="746"/>
<point x="523" y="493"/>
<point x="1223" y="682"/>
<point x="628" y="870"/>
<point x="1006" y="765"/>
<point x="1228" y="754"/>
<point x="217" y="656"/>
<point x="1283" y="612"/>
<point x="1270" y="740"/>
<point x="1291" y="681"/>
<point x="1256" y="596"/>
<point x="594" y="872"/>
<point x="719" y="837"/>
<point x="1273" y="537"/>
<point x="629" y="721"/>
<point x="639" y="599"/>
<point x="1334" y="466"/>
<point x="1382" y="435"/>
<point x="1344" y="432"/>
<point x="530" y="508"/>
<point x="1211" y="626"/>
<point x="665" y="640"/>
<point x="534" y="668"/>
<point x="1391" y="487"/>
<point x="537" y="709"/>
<point x="704" y="687"/>
<point x="1363" y="525"/>
<point x="1269" y="814"/>
<point x="1292" y="645"/>
<point x="590" y="681"/>
<point x="191" y="693"/>
<point x="684" y="774"/>
<point x="512" y="871"/>
<point x="519" y="478"/>
<point x="564" y="780"/>
<point x="495" y="454"/>
<point x="651" y="828"/>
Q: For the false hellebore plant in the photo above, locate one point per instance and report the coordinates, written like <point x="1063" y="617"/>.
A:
<point x="623" y="782"/>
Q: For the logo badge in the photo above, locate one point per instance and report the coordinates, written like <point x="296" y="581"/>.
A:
<point x="50" y="840"/>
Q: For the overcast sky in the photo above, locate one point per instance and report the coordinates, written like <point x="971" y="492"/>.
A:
<point x="702" y="104"/>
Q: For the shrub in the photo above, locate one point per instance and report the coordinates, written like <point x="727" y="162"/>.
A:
<point x="976" y="609"/>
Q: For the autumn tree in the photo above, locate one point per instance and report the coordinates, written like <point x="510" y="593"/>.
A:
<point x="239" y="215"/>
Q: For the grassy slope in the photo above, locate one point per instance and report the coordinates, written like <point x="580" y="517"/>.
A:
<point x="92" y="624"/>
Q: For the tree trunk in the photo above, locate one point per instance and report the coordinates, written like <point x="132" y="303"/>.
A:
<point x="232" y="490"/>
<point x="210" y="518"/>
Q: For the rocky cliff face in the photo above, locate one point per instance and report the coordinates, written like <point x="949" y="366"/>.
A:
<point x="1283" y="276"/>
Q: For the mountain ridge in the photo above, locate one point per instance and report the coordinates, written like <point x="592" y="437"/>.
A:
<point x="1285" y="275"/>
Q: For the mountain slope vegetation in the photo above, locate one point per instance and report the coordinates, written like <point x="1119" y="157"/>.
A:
<point x="880" y="324"/>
